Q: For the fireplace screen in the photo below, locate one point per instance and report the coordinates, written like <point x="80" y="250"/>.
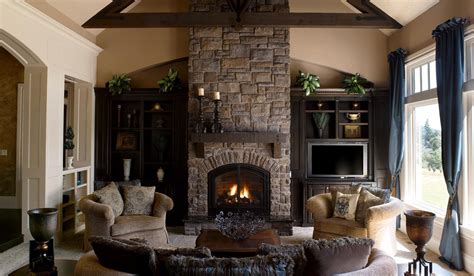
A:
<point x="238" y="187"/>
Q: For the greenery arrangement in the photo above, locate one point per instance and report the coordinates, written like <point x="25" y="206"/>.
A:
<point x="355" y="84"/>
<point x="119" y="84"/>
<point x="68" y="141"/>
<point x="308" y="82"/>
<point x="170" y="82"/>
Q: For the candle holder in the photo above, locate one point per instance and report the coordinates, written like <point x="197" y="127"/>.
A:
<point x="216" y="126"/>
<point x="199" y="128"/>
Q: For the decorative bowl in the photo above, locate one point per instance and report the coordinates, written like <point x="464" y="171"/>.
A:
<point x="239" y="225"/>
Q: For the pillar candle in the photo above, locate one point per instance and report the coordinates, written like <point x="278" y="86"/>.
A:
<point x="201" y="92"/>
<point x="217" y="95"/>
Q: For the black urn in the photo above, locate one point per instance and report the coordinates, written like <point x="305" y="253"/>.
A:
<point x="43" y="223"/>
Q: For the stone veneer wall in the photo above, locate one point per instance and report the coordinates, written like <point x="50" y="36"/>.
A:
<point x="250" y="68"/>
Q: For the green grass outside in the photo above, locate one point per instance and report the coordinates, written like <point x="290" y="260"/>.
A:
<point x="434" y="188"/>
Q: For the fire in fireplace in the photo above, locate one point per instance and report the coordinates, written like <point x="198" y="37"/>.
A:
<point x="238" y="187"/>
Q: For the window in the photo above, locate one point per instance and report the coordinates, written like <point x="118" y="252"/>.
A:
<point x="429" y="180"/>
<point x="424" y="77"/>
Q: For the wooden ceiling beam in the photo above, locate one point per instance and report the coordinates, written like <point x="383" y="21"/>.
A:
<point x="371" y="17"/>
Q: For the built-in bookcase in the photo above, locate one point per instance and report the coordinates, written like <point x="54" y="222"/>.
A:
<point x="76" y="185"/>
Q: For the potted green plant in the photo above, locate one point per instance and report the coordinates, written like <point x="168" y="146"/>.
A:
<point x="69" y="146"/>
<point x="170" y="82"/>
<point x="309" y="82"/>
<point x="119" y="84"/>
<point x="355" y="84"/>
<point x="321" y="121"/>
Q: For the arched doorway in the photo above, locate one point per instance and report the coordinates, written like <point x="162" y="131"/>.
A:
<point x="30" y="169"/>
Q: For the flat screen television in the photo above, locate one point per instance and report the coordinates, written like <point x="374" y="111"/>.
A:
<point x="337" y="160"/>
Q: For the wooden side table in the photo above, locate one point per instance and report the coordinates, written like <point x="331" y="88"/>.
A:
<point x="221" y="245"/>
<point x="437" y="270"/>
<point x="65" y="267"/>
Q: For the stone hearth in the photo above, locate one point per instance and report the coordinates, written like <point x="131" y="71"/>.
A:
<point x="250" y="68"/>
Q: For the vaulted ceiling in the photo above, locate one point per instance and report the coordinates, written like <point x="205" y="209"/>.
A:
<point x="404" y="11"/>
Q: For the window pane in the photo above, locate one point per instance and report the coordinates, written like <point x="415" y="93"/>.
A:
<point x="417" y="80"/>
<point x="424" y="77"/>
<point x="430" y="184"/>
<point x="433" y="75"/>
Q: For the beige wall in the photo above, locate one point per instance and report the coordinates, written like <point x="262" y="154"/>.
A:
<point x="128" y="50"/>
<point x="417" y="34"/>
<point x="345" y="50"/>
<point x="11" y="73"/>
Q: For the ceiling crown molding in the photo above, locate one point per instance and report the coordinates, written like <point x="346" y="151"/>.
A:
<point x="370" y="17"/>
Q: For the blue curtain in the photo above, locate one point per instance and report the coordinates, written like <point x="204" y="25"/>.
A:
<point x="396" y="144"/>
<point x="450" y="77"/>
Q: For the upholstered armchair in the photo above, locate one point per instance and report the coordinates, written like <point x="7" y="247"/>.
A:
<point x="379" y="223"/>
<point x="100" y="221"/>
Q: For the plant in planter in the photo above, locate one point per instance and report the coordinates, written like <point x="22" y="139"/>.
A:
<point x="170" y="82"/>
<point x="321" y="121"/>
<point x="119" y="84"/>
<point x="308" y="82"/>
<point x="69" y="146"/>
<point x="355" y="84"/>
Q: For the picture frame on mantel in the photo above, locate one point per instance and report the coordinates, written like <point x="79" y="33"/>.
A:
<point x="126" y="141"/>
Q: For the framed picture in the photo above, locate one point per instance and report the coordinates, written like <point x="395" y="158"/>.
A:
<point x="352" y="132"/>
<point x="126" y="141"/>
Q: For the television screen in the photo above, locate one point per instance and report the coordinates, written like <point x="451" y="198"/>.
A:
<point x="337" y="160"/>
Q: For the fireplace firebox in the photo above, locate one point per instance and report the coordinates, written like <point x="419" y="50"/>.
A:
<point x="239" y="187"/>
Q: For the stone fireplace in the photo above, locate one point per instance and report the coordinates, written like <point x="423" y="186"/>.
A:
<point x="250" y="68"/>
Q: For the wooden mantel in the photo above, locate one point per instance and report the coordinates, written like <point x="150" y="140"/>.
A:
<point x="239" y="137"/>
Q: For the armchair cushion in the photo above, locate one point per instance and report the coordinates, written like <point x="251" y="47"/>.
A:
<point x="353" y="189"/>
<point x="327" y="257"/>
<point x="130" y="224"/>
<point x="346" y="206"/>
<point x="110" y="195"/>
<point x="379" y="192"/>
<point x="340" y="227"/>
<point x="366" y="200"/>
<point x="138" y="200"/>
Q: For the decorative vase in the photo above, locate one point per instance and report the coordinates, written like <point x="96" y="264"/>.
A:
<point x="320" y="132"/>
<point x="43" y="223"/>
<point x="160" y="174"/>
<point x="419" y="225"/>
<point x="126" y="168"/>
<point x="70" y="160"/>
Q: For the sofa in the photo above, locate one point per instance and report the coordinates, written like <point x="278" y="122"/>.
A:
<point x="286" y="260"/>
<point x="101" y="221"/>
<point x="379" y="224"/>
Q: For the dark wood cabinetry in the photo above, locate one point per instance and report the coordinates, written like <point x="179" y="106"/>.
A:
<point x="368" y="127"/>
<point x="150" y="128"/>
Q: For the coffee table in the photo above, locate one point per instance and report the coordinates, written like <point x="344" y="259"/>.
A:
<point x="223" y="246"/>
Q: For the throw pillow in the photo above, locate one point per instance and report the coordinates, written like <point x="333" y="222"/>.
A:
<point x="138" y="200"/>
<point x="379" y="192"/>
<point x="295" y="251"/>
<point x="162" y="255"/>
<point x="346" y="206"/>
<point x="353" y="189"/>
<point x="110" y="195"/>
<point x="274" y="264"/>
<point x="100" y="184"/>
<point x="124" y="255"/>
<point x="341" y="255"/>
<point x="366" y="200"/>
